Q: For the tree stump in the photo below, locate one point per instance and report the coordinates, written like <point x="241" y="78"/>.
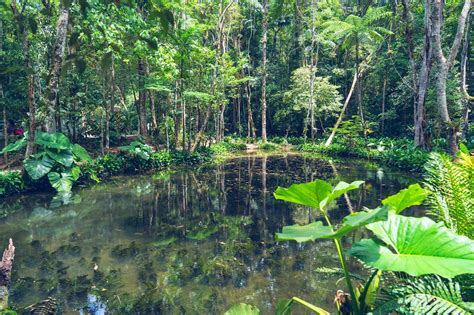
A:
<point x="6" y="266"/>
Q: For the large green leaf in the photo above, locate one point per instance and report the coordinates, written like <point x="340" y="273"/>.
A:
<point x="414" y="195"/>
<point x="53" y="140"/>
<point x="61" y="182"/>
<point x="37" y="167"/>
<point x="305" y="233"/>
<point x="243" y="309"/>
<point x="63" y="157"/>
<point x="416" y="246"/>
<point x="80" y="153"/>
<point x="285" y="307"/>
<point x="307" y="194"/>
<point x="317" y="194"/>
<point x="340" y="189"/>
<point x="317" y="230"/>
<point x="16" y="146"/>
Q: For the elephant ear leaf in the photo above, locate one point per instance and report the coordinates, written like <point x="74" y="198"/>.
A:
<point x="80" y="153"/>
<point x="38" y="167"/>
<point x="414" y="195"/>
<point x="317" y="230"/>
<point x="62" y="182"/>
<point x="308" y="194"/>
<point x="417" y="246"/>
<point x="305" y="233"/>
<point x="340" y="189"/>
<point x="53" y="140"/>
<point x="243" y="309"/>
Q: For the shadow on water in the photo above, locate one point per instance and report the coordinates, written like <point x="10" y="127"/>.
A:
<point x="194" y="240"/>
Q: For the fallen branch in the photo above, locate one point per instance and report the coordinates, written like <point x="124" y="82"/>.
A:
<point x="6" y="266"/>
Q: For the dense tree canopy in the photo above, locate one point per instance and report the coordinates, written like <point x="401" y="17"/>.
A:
<point x="182" y="73"/>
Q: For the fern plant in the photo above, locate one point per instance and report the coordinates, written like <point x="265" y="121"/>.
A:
<point x="425" y="295"/>
<point x="452" y="192"/>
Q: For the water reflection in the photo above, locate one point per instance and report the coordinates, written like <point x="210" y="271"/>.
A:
<point x="189" y="241"/>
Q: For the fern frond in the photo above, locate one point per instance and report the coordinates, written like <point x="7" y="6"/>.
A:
<point x="452" y="196"/>
<point x="425" y="295"/>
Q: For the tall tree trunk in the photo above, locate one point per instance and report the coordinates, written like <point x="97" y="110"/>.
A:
<point x="20" y="18"/>
<point x="468" y="99"/>
<point x="264" y="70"/>
<point x="250" y="125"/>
<point x="312" y="68"/>
<point x="4" y="103"/>
<point x="55" y="68"/>
<point x="110" y="104"/>
<point x="384" y="96"/>
<point x="423" y="80"/>
<point x="445" y="64"/>
<point x="142" y="128"/>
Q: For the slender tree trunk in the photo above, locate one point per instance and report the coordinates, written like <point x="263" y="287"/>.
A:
<point x="4" y="103"/>
<point x="312" y="68"/>
<point x="264" y="70"/>
<point x="110" y="106"/>
<point x="409" y="20"/>
<point x="20" y="18"/>
<point x="250" y="124"/>
<point x="343" y="111"/>
<point x="468" y="99"/>
<point x="55" y="69"/>
<point x="445" y="64"/>
<point x="142" y="98"/>
<point x="384" y="95"/>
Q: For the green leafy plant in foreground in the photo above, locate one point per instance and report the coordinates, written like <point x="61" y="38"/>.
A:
<point x="415" y="246"/>
<point x="58" y="159"/>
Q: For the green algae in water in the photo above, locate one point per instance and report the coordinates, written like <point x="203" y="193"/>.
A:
<point x="196" y="240"/>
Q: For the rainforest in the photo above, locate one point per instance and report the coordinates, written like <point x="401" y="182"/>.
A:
<point x="236" y="157"/>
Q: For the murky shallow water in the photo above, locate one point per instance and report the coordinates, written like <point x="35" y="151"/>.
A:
<point x="193" y="241"/>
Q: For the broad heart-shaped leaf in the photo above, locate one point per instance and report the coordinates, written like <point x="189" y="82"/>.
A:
<point x="243" y="309"/>
<point x="416" y="246"/>
<point x="414" y="195"/>
<point x="307" y="194"/>
<point x="317" y="194"/>
<point x="305" y="233"/>
<point x="37" y="167"/>
<point x="63" y="157"/>
<point x="53" y="140"/>
<point x="61" y="182"/>
<point x="16" y="146"/>
<point x="360" y="219"/>
<point x="80" y="153"/>
<point x="317" y="230"/>
<point x="340" y="189"/>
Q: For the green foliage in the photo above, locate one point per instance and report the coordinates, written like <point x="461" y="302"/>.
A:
<point x="400" y="153"/>
<point x="417" y="246"/>
<point x="17" y="145"/>
<point x="11" y="182"/>
<point x="268" y="146"/>
<point x="242" y="309"/>
<point x="57" y="158"/>
<point x="425" y="295"/>
<point x="452" y="192"/>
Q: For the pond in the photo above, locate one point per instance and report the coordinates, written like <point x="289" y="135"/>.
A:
<point x="190" y="241"/>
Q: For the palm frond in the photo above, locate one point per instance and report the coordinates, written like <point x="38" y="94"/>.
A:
<point x="452" y="196"/>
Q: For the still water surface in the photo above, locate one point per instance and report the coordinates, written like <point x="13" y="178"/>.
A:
<point x="189" y="241"/>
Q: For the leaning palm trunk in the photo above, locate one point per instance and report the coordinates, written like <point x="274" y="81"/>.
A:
<point x="344" y="108"/>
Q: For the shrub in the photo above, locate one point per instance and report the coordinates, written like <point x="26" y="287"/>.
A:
<point x="268" y="146"/>
<point x="11" y="182"/>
